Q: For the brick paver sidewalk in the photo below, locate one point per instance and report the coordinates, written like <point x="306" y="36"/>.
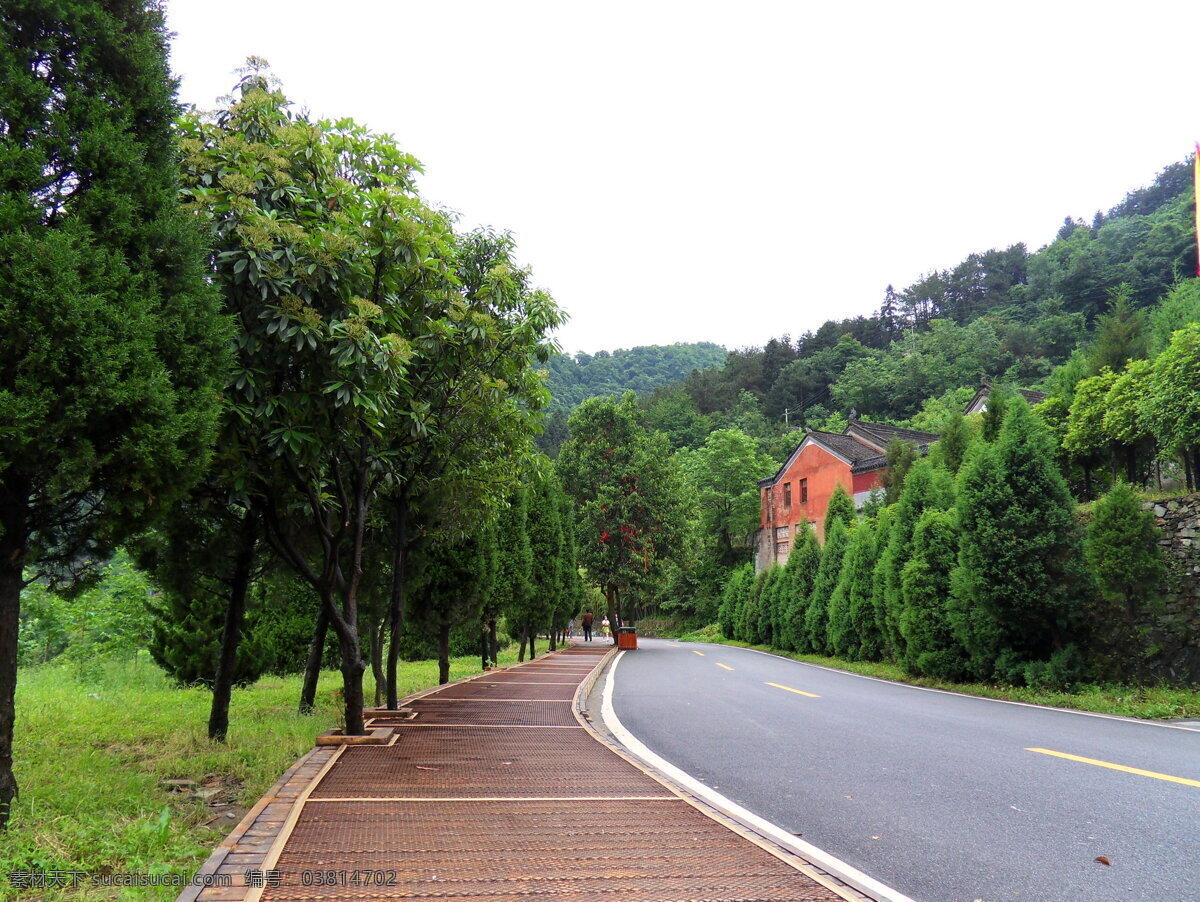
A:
<point x="494" y="791"/>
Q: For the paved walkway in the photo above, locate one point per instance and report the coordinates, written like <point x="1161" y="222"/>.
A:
<point x="493" y="789"/>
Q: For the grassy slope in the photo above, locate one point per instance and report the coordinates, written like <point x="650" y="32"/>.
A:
<point x="90" y="758"/>
<point x="1147" y="702"/>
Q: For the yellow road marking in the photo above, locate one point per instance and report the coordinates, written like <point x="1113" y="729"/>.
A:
<point x="790" y="689"/>
<point x="726" y="666"/>
<point x="1120" y="767"/>
<point x="700" y="653"/>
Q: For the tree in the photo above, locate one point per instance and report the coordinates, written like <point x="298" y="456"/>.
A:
<point x="1018" y="589"/>
<point x="927" y="487"/>
<point x="1124" y="423"/>
<point x="1180" y="307"/>
<point x="373" y="342"/>
<point x="1086" y="438"/>
<point x="723" y="475"/>
<point x="113" y="346"/>
<point x="1123" y="553"/>
<point x="1121" y="333"/>
<point x="547" y="551"/>
<point x="513" y="588"/>
<point x="800" y="572"/>
<point x="816" y="616"/>
<point x="900" y="457"/>
<point x="474" y="395"/>
<point x="840" y="509"/>
<point x="456" y="580"/>
<point x="956" y="437"/>
<point x="930" y="648"/>
<point x="1169" y="406"/>
<point x="626" y="493"/>
<point x="732" y="598"/>
<point x="853" y="633"/>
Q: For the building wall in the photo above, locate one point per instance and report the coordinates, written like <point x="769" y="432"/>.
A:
<point x="865" y="484"/>
<point x="823" y="472"/>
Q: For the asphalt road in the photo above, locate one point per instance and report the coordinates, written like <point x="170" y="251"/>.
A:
<point x="934" y="794"/>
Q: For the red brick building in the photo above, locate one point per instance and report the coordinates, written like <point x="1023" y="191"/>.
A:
<point x="855" y="459"/>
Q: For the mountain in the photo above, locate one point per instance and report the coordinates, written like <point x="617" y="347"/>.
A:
<point x="642" y="369"/>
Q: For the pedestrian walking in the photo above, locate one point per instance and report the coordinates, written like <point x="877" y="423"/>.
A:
<point x="604" y="628"/>
<point x="586" y="622"/>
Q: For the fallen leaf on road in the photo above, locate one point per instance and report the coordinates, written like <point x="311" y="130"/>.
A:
<point x="423" y="767"/>
<point x="1104" y="860"/>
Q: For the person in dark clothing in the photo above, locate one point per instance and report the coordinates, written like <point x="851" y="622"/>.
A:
<point x="586" y="620"/>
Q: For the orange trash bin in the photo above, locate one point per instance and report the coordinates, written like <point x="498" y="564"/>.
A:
<point x="627" y="637"/>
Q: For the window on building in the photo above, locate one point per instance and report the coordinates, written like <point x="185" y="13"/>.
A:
<point x="781" y="540"/>
<point x="787" y="494"/>
<point x="803" y="491"/>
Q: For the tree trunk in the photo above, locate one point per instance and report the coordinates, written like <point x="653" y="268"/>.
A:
<point x="352" y="666"/>
<point x="484" y="646"/>
<point x="377" y="630"/>
<point x="615" y="619"/>
<point x="495" y="641"/>
<point x="13" y="541"/>
<point x="443" y="653"/>
<point x="1131" y="464"/>
<point x="396" y="600"/>
<point x="1187" y="472"/>
<point x="524" y="637"/>
<point x="231" y="636"/>
<point x="312" y="667"/>
<point x="532" y="631"/>
<point x="553" y="633"/>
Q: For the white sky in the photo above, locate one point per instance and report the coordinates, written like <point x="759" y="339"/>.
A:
<point x="729" y="172"/>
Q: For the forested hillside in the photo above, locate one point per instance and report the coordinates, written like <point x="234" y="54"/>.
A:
<point x="1008" y="314"/>
<point x="641" y="369"/>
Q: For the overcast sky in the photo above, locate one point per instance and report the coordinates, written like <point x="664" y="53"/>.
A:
<point x="729" y="172"/>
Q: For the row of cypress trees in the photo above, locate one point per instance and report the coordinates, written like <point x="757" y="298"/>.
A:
<point x="979" y="570"/>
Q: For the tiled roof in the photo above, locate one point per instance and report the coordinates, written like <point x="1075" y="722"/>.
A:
<point x="870" y="463"/>
<point x="880" y="434"/>
<point x="845" y="445"/>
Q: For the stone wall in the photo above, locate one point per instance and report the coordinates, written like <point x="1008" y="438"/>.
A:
<point x="1175" y="629"/>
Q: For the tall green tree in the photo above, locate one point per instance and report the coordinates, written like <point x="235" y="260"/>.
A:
<point x="853" y="632"/>
<point x="1169" y="406"/>
<point x="113" y="347"/>
<point x="930" y="647"/>
<point x="1086" y="438"/>
<point x="816" y="615"/>
<point x="1124" y="423"/>
<point x="723" y="476"/>
<point x="456" y="580"/>
<point x="626" y="492"/>
<point x="927" y="487"/>
<point x="1122" y="550"/>
<point x="1019" y="586"/>
<point x="800" y="572"/>
<point x="840" y="509"/>
<point x="364" y="327"/>
<point x="731" y="599"/>
<point x="1121" y="334"/>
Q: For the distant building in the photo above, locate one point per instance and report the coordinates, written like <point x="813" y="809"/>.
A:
<point x="855" y="459"/>
<point x="978" y="403"/>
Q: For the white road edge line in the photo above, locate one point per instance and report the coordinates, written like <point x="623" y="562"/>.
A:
<point x="983" y="698"/>
<point x="822" y="859"/>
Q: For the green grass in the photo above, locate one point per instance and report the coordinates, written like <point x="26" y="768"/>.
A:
<point x="90" y="758"/>
<point x="1146" y="702"/>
